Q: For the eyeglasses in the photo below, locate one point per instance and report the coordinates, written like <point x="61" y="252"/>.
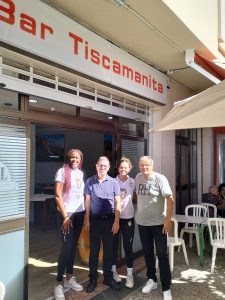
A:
<point x="103" y="166"/>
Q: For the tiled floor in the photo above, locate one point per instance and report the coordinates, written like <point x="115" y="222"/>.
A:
<point x="189" y="282"/>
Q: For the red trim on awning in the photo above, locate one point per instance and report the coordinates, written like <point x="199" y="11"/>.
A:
<point x="210" y="67"/>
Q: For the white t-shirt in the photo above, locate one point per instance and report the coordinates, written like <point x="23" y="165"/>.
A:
<point x="75" y="199"/>
<point x="126" y="195"/>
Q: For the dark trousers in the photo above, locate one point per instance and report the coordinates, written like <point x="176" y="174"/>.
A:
<point x="68" y="244"/>
<point x="149" y="235"/>
<point x="127" y="232"/>
<point x="101" y="230"/>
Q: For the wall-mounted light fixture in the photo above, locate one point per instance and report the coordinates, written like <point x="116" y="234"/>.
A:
<point x="32" y="100"/>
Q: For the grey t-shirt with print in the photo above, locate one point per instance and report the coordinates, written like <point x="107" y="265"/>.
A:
<point x="151" y="194"/>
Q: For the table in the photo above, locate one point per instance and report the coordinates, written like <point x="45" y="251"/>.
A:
<point x="44" y="200"/>
<point x="195" y="220"/>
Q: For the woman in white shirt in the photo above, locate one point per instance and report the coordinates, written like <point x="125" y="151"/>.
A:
<point x="69" y="195"/>
<point x="127" y="187"/>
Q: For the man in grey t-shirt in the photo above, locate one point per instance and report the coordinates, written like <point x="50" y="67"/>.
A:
<point x="153" y="195"/>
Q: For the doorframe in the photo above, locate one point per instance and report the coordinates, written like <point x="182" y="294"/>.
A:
<point x="216" y="132"/>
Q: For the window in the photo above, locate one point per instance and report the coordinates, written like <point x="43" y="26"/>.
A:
<point x="12" y="171"/>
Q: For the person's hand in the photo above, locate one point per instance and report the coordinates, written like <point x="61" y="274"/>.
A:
<point x="67" y="223"/>
<point x="87" y="225"/>
<point x="166" y="226"/>
<point x="115" y="227"/>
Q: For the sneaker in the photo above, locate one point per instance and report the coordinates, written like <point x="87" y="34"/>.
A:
<point x="116" y="277"/>
<point x="72" y="284"/>
<point x="58" y="292"/>
<point x="150" y="285"/>
<point x="112" y="283"/>
<point x="129" y="281"/>
<point x="167" y="295"/>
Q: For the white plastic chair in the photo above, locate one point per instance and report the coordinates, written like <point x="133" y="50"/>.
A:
<point x="210" y="207"/>
<point x="2" y="290"/>
<point x="216" y="225"/>
<point x="193" y="210"/>
<point x="173" y="241"/>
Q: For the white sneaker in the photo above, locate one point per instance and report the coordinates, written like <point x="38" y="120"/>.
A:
<point x="72" y="284"/>
<point x="58" y="292"/>
<point x="129" y="281"/>
<point x="150" y="285"/>
<point x="116" y="277"/>
<point x="167" y="295"/>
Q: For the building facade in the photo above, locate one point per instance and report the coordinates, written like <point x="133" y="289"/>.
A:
<point x="63" y="84"/>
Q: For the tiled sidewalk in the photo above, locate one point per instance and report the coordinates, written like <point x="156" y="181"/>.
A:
<point x="189" y="282"/>
<point x="104" y="292"/>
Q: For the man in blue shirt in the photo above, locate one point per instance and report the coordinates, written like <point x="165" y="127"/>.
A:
<point x="102" y="201"/>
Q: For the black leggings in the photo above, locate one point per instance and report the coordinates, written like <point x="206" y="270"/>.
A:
<point x="68" y="244"/>
<point x="127" y="231"/>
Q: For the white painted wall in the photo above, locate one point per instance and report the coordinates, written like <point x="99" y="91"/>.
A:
<point x="195" y="15"/>
<point x="162" y="144"/>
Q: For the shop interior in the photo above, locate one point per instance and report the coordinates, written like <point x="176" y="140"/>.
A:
<point x="49" y="146"/>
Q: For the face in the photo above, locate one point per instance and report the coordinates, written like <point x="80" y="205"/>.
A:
<point x="124" y="168"/>
<point x="146" y="167"/>
<point x="74" y="160"/>
<point x="214" y="190"/>
<point x="102" y="167"/>
<point x="223" y="191"/>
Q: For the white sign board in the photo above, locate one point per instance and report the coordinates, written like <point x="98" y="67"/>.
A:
<point x="34" y="26"/>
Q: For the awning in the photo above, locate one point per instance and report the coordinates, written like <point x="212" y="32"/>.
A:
<point x="211" y="66"/>
<point x="206" y="109"/>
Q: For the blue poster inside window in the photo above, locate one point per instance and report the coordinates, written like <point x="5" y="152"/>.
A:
<point x="50" y="147"/>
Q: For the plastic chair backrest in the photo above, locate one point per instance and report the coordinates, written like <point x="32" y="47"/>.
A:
<point x="210" y="207"/>
<point x="217" y="226"/>
<point x="195" y="210"/>
<point x="2" y="290"/>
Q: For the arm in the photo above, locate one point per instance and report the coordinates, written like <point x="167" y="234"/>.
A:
<point x="134" y="199"/>
<point x="60" y="204"/>
<point x="88" y="209"/>
<point x="116" y="224"/>
<point x="169" y="211"/>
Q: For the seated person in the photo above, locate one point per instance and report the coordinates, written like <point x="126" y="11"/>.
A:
<point x="211" y="197"/>
<point x="221" y="201"/>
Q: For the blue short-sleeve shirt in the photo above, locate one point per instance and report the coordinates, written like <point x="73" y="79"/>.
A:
<point x="102" y="194"/>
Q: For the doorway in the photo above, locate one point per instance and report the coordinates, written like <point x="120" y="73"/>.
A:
<point x="45" y="161"/>
<point x="49" y="145"/>
<point x="186" y="169"/>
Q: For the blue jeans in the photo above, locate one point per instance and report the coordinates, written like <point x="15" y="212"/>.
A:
<point x="69" y="244"/>
<point x="149" y="235"/>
